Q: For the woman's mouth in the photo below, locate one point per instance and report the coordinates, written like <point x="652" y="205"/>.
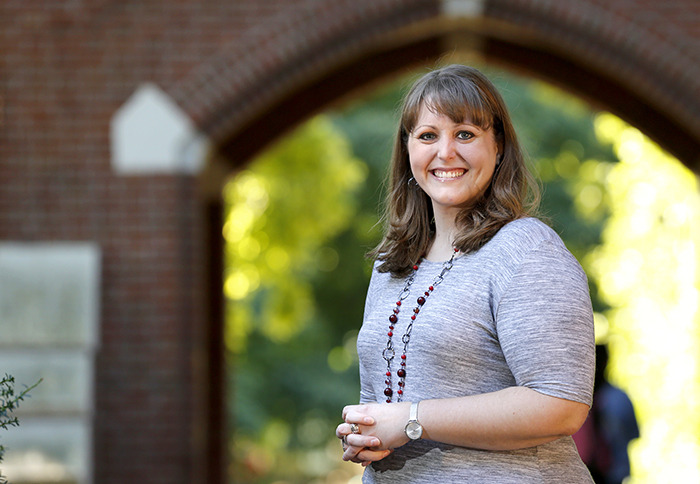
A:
<point x="449" y="174"/>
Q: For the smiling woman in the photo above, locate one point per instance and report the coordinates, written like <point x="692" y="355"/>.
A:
<point x="500" y="356"/>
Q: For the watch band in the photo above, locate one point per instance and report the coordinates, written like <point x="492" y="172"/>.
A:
<point x="413" y="414"/>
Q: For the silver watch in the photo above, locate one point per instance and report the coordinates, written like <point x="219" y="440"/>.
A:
<point x="413" y="428"/>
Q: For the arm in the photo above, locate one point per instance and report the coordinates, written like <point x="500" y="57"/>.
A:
<point x="512" y="418"/>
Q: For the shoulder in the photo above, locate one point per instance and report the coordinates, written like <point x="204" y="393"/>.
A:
<point x="528" y="245"/>
<point x="378" y="279"/>
<point x="526" y="234"/>
<point x="521" y="239"/>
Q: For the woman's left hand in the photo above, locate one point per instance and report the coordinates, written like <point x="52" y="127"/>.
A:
<point x="389" y="423"/>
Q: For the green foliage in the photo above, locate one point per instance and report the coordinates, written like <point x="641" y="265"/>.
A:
<point x="303" y="215"/>
<point x="285" y="210"/>
<point x="9" y="402"/>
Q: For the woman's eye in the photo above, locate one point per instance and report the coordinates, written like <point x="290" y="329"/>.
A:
<point x="465" y="135"/>
<point x="426" y="136"/>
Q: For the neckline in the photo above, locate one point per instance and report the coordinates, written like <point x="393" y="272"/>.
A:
<point x="440" y="262"/>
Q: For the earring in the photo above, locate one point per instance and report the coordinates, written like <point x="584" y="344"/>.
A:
<point x="412" y="183"/>
<point x="499" y="157"/>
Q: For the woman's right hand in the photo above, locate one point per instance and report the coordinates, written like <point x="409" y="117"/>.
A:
<point x="360" y="448"/>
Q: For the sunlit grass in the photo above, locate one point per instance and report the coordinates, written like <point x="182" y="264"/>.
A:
<point x="647" y="270"/>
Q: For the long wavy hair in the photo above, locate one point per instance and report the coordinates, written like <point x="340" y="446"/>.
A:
<point x="460" y="93"/>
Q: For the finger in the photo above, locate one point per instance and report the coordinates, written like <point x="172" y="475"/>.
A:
<point x="346" y="429"/>
<point x="362" y="454"/>
<point x="347" y="409"/>
<point x="355" y="417"/>
<point x="342" y="430"/>
<point x="359" y="440"/>
<point x="351" y="453"/>
<point x="369" y="456"/>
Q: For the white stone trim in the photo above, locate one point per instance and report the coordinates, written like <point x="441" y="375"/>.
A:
<point x="462" y="8"/>
<point x="49" y="319"/>
<point x="150" y="134"/>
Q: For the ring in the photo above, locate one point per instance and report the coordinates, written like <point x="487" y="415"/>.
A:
<point x="354" y="429"/>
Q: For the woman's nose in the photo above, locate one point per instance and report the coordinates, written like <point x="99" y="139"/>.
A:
<point x="446" y="148"/>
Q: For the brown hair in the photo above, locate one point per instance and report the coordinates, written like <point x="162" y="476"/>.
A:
<point x="461" y="93"/>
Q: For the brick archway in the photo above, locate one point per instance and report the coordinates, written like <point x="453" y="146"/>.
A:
<point x="638" y="63"/>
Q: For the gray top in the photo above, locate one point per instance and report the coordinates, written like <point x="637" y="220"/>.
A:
<point x="516" y="312"/>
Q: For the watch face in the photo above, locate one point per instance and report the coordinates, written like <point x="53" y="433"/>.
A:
<point x="414" y="430"/>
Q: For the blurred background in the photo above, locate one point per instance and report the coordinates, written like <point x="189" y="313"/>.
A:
<point x="187" y="192"/>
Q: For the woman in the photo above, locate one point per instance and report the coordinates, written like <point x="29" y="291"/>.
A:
<point x="476" y="350"/>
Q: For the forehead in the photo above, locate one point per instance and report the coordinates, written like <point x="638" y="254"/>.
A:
<point x="459" y="109"/>
<point x="428" y="114"/>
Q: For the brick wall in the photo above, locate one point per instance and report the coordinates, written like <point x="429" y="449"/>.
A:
<point x="238" y="68"/>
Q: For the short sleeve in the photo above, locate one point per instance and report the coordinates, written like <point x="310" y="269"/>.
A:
<point x="544" y="322"/>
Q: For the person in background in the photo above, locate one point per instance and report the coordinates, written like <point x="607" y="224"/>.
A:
<point x="477" y="349"/>
<point x="611" y="425"/>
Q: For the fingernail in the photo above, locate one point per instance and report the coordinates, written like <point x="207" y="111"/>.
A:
<point x="369" y="420"/>
<point x="375" y="442"/>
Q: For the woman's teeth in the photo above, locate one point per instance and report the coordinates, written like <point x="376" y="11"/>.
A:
<point x="448" y="174"/>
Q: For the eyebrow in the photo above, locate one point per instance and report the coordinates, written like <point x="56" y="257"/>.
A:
<point x="470" y="124"/>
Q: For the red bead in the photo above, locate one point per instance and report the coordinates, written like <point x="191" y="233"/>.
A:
<point x="431" y="289"/>
<point x="456" y="250"/>
<point x="388" y="373"/>
<point x="415" y="267"/>
<point x="388" y="382"/>
<point x="403" y="363"/>
<point x="388" y="400"/>
<point x="391" y="326"/>
<point x="416" y="310"/>
<point x="396" y="310"/>
<point x="401" y="373"/>
<point x="393" y="318"/>
<point x="388" y="392"/>
<point x="421" y="301"/>
<point x="398" y="303"/>
<point x="390" y="334"/>
<point x="426" y="293"/>
<point x="413" y="318"/>
<point x="403" y="357"/>
<point x="400" y="392"/>
<point x="402" y="383"/>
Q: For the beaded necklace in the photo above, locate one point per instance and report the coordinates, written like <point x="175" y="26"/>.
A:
<point x="389" y="352"/>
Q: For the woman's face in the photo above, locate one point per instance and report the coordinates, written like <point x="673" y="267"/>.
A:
<point x="452" y="162"/>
